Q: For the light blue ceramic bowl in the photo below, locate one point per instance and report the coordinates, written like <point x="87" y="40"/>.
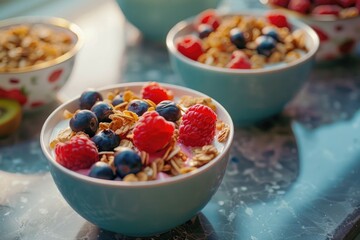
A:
<point x="154" y="18"/>
<point x="248" y="95"/>
<point x="140" y="208"/>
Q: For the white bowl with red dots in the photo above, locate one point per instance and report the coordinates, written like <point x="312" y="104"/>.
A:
<point x="335" y="21"/>
<point x="254" y="77"/>
<point x="36" y="62"/>
<point x="134" y="200"/>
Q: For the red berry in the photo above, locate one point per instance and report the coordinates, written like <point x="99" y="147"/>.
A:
<point x="156" y="93"/>
<point x="239" y="60"/>
<point x="78" y="153"/>
<point x="152" y="132"/>
<point x="346" y="3"/>
<point x="326" y="10"/>
<point x="198" y="126"/>
<point x="281" y="3"/>
<point x="278" y="20"/>
<point x="190" y="46"/>
<point x="301" y="6"/>
<point x="209" y="17"/>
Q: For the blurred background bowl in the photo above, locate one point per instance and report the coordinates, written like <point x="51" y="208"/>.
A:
<point x="154" y="18"/>
<point x="339" y="37"/>
<point x="250" y="95"/>
<point x="36" y="85"/>
<point x="137" y="208"/>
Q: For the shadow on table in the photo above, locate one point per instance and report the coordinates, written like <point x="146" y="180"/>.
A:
<point x="197" y="228"/>
<point x="331" y="95"/>
<point x="264" y="162"/>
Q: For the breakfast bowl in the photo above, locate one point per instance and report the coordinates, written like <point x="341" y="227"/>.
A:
<point x="155" y="18"/>
<point x="37" y="56"/>
<point x="240" y="64"/>
<point x="154" y="197"/>
<point x="336" y="23"/>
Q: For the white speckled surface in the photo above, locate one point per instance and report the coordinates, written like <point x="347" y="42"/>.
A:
<point x="294" y="177"/>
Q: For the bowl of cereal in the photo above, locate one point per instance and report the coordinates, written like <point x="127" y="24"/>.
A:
<point x="253" y="63"/>
<point x="335" y="21"/>
<point x="153" y="154"/>
<point x="37" y="56"/>
<point x="155" y="18"/>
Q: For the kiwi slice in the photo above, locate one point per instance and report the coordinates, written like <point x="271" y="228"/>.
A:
<point x="10" y="116"/>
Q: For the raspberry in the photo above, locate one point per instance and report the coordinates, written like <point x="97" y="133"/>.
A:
<point x="278" y="20"/>
<point x="78" y="153"/>
<point x="156" y="93"/>
<point x="198" y="126"/>
<point x="301" y="6"/>
<point x="152" y="132"/>
<point x="239" y="60"/>
<point x="209" y="17"/>
<point x="190" y="46"/>
<point x="326" y="10"/>
<point x="281" y="3"/>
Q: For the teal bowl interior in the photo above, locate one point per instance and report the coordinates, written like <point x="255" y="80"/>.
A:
<point x="248" y="95"/>
<point x="137" y="208"/>
<point x="154" y="18"/>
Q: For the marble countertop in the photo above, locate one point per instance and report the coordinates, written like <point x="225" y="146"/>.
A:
<point x="295" y="176"/>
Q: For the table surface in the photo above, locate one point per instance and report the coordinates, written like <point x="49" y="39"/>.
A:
<point x="295" y="176"/>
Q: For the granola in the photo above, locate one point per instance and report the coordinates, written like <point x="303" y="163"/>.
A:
<point x="27" y="45"/>
<point x="172" y="160"/>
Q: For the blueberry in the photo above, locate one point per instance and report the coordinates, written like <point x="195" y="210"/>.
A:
<point x="168" y="110"/>
<point x="89" y="98"/>
<point x="237" y="37"/>
<point x="118" y="99"/>
<point x="102" y="170"/>
<point x="126" y="162"/>
<point x="84" y="121"/>
<point x="265" y="45"/>
<point x="204" y="30"/>
<point x="102" y="111"/>
<point x="138" y="106"/>
<point x="106" y="140"/>
<point x="271" y="32"/>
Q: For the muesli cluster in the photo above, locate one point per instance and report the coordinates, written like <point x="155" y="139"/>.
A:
<point x="242" y="42"/>
<point x="27" y="45"/>
<point x="139" y="137"/>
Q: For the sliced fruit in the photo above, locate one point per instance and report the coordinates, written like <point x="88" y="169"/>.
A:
<point x="10" y="116"/>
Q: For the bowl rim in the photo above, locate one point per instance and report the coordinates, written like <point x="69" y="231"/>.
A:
<point x="49" y="21"/>
<point x="141" y="184"/>
<point x="308" y="17"/>
<point x="171" y="40"/>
